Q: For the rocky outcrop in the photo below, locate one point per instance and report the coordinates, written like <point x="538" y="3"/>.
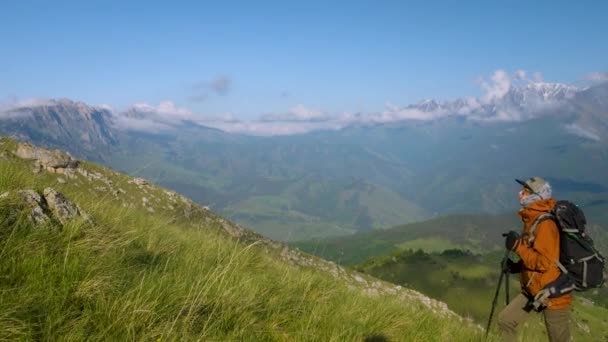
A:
<point x="50" y="205"/>
<point x="54" y="161"/>
<point x="369" y="285"/>
<point x="62" y="208"/>
<point x="92" y="176"/>
<point x="36" y="205"/>
<point x="232" y="229"/>
<point x="139" y="181"/>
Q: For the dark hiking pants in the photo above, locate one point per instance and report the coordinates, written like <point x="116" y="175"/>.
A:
<point x="512" y="316"/>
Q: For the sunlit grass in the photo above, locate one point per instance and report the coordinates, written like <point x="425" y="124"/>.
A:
<point x="136" y="275"/>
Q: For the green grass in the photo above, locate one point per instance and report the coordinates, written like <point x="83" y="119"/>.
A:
<point x="136" y="275"/>
<point x="467" y="283"/>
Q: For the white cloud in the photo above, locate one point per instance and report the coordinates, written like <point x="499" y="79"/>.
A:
<point x="19" y="108"/>
<point x="298" y="113"/>
<point x="471" y="104"/>
<point x="15" y="103"/>
<point x="527" y="101"/>
<point x="598" y="77"/>
<point x="13" y="114"/>
<point x="165" y="109"/>
<point x="139" y="124"/>
<point x="520" y="75"/>
<point x="498" y="88"/>
<point x="301" y="113"/>
<point x="105" y="107"/>
<point x="298" y="119"/>
<point x="394" y="114"/>
<point x="224" y="118"/>
<point x="264" y="128"/>
<point x="149" y="118"/>
<point x="492" y="106"/>
<point x="582" y="132"/>
<point x="499" y="116"/>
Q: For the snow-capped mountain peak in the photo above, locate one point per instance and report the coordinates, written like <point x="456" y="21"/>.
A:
<point x="546" y="91"/>
<point x="528" y="96"/>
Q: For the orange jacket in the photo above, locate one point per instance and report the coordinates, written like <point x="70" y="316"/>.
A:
<point x="539" y="267"/>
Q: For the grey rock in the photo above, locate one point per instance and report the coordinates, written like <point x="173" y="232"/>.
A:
<point x="83" y="172"/>
<point x="54" y="159"/>
<point x="62" y="208"/>
<point x="584" y="327"/>
<point x="140" y="181"/>
<point x="359" y="279"/>
<point x="36" y="205"/>
<point x="232" y="229"/>
<point x="37" y="168"/>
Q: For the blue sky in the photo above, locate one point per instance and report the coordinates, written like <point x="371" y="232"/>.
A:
<point x="262" y="57"/>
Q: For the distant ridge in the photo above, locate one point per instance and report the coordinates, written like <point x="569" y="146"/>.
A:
<point x="457" y="157"/>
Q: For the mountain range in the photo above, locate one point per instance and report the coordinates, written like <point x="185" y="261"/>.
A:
<point x="355" y="172"/>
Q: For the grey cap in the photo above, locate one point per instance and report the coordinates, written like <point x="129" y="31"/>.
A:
<point x="534" y="184"/>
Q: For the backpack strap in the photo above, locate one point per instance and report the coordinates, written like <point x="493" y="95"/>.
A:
<point x="541" y="218"/>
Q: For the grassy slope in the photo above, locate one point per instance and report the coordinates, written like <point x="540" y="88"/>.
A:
<point x="387" y="255"/>
<point x="467" y="283"/>
<point x="148" y="276"/>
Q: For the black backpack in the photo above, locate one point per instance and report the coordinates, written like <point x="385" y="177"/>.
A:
<point x="581" y="264"/>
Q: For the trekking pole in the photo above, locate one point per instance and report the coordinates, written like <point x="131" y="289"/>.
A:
<point x="503" y="270"/>
<point x="506" y="271"/>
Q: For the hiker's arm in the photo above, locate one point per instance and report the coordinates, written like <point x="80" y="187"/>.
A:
<point x="545" y="249"/>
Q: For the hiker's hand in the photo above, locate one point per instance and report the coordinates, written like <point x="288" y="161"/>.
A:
<point x="511" y="240"/>
<point x="513" y="267"/>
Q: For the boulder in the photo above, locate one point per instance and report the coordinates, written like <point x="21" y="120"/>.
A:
<point x="36" y="205"/>
<point x="51" y="204"/>
<point x="140" y="181"/>
<point x="53" y="159"/>
<point x="62" y="208"/>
